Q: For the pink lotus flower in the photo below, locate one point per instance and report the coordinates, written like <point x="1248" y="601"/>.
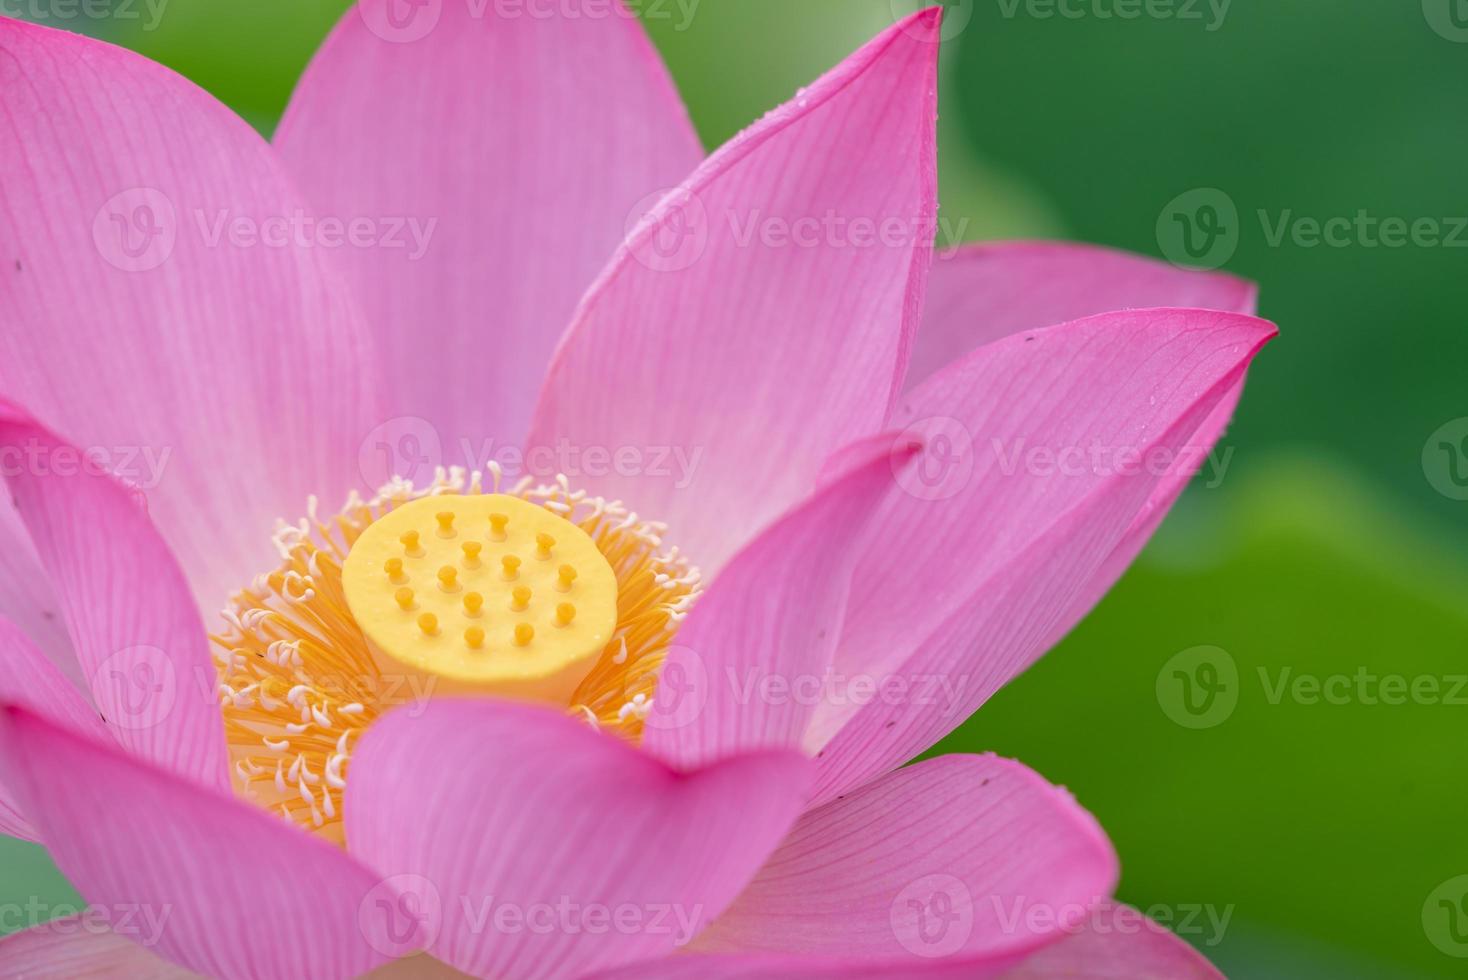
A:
<point x="899" y="486"/>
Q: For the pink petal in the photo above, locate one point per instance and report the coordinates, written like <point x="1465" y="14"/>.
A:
<point x="1150" y="517"/>
<point x="744" y="966"/>
<point x="12" y="821"/>
<point x="228" y="380"/>
<point x="983" y="559"/>
<point x="26" y="597"/>
<point x="1113" y="943"/>
<point x="982" y="293"/>
<point x="773" y="615"/>
<point x="76" y="947"/>
<point x="754" y="359"/>
<point x="527" y="137"/>
<point x="958" y="859"/>
<point x="1117" y="943"/>
<point x="237" y="891"/>
<point x="29" y="678"/>
<point x="497" y="806"/>
<point x="136" y="630"/>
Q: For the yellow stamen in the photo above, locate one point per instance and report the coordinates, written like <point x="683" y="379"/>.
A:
<point x="300" y="683"/>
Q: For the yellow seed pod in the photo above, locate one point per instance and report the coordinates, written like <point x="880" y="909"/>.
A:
<point x="438" y="585"/>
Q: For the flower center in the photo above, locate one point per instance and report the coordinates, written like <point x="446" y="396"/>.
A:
<point x="490" y="593"/>
<point x="530" y="591"/>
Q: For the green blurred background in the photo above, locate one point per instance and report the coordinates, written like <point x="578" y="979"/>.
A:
<point x="1287" y="836"/>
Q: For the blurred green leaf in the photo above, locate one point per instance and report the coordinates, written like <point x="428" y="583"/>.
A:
<point x="32" y="891"/>
<point x="1300" y="109"/>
